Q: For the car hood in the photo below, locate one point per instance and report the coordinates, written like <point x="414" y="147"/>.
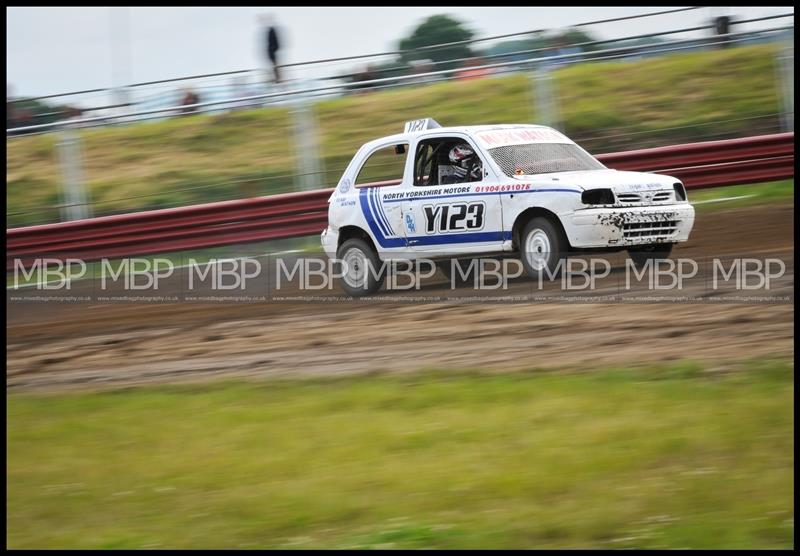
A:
<point x="618" y="181"/>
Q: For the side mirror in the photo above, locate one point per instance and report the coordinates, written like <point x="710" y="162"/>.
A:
<point x="399" y="149"/>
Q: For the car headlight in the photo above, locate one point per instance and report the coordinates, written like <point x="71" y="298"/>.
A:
<point x="680" y="191"/>
<point x="597" y="197"/>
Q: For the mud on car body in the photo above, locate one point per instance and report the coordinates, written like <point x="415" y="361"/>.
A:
<point x="439" y="193"/>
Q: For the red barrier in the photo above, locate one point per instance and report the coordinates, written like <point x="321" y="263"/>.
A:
<point x="734" y="173"/>
<point x="708" y="152"/>
<point x="698" y="165"/>
<point x="175" y="229"/>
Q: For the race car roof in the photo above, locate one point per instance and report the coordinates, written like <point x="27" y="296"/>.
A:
<point x="489" y="136"/>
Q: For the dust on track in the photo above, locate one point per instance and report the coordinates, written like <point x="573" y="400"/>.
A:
<point x="55" y="346"/>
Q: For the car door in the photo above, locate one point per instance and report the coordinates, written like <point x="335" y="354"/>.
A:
<point x="444" y="214"/>
<point x="379" y="180"/>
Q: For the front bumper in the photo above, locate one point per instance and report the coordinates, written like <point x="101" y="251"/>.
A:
<point x="615" y="227"/>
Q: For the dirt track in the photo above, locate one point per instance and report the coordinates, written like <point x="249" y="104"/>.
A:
<point x="61" y="345"/>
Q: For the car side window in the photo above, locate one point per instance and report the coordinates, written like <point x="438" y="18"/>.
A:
<point x="446" y="160"/>
<point x="383" y="167"/>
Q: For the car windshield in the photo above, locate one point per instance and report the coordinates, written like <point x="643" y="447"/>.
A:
<point x="543" y="158"/>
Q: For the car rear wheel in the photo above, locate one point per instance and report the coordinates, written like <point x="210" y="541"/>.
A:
<point x="542" y="246"/>
<point x="654" y="252"/>
<point x="360" y="268"/>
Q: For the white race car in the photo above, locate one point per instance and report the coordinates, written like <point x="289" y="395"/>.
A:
<point x="441" y="193"/>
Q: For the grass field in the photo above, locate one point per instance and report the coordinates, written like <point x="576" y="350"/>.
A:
<point x="722" y="198"/>
<point x="679" y="456"/>
<point x="606" y="106"/>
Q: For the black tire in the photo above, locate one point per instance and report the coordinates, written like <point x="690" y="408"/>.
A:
<point x="457" y="279"/>
<point x="655" y="252"/>
<point x="541" y="261"/>
<point x="356" y="283"/>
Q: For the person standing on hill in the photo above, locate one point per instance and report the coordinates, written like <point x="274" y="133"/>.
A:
<point x="272" y="45"/>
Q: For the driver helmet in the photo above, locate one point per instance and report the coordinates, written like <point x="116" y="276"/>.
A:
<point x="461" y="153"/>
<point x="462" y="156"/>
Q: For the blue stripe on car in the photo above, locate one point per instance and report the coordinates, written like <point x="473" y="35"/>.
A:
<point x="382" y="212"/>
<point x="373" y="226"/>
<point x="364" y="196"/>
<point x="482" y="194"/>
<point x="374" y="210"/>
<point x="378" y="208"/>
<point x="466" y="237"/>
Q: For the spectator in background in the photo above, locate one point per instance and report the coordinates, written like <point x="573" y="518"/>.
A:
<point x="189" y="98"/>
<point x="17" y="114"/>
<point x="367" y="75"/>
<point x="420" y="67"/>
<point x="563" y="48"/>
<point x="271" y="44"/>
<point x="71" y="112"/>
<point x="10" y="115"/>
<point x="469" y="73"/>
<point x="722" y="27"/>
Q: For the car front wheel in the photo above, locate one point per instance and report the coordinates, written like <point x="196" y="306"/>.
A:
<point x="360" y="268"/>
<point x="542" y="246"/>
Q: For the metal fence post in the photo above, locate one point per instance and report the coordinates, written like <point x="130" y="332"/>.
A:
<point x="75" y="204"/>
<point x="121" y="98"/>
<point x="308" y="164"/>
<point x="545" y="102"/>
<point x="785" y="67"/>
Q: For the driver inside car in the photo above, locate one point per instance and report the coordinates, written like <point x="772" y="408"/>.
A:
<point x="465" y="166"/>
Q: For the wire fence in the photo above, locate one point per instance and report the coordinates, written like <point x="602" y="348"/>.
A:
<point x="108" y="105"/>
<point x="336" y="89"/>
<point x="360" y="56"/>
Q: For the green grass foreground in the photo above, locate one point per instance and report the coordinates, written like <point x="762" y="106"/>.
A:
<point x="675" y="456"/>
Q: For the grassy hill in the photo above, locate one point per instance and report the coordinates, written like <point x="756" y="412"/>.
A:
<point x="606" y="106"/>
